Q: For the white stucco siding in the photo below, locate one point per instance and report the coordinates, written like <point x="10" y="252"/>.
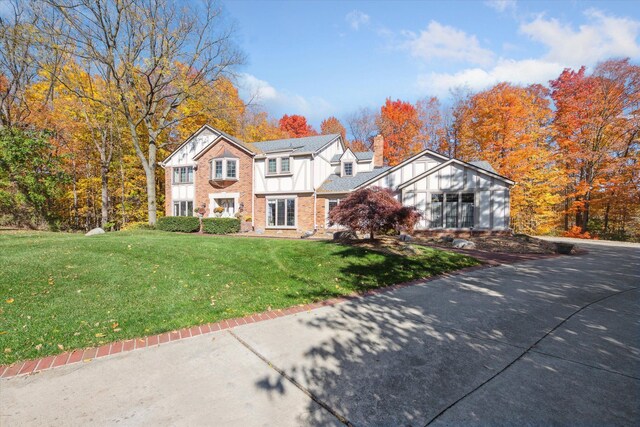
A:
<point x="490" y="195"/>
<point x="184" y="155"/>
<point x="182" y="192"/>
<point x="299" y="180"/>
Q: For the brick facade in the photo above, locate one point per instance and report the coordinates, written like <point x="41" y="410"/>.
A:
<point x="204" y="187"/>
<point x="168" y="173"/>
<point x="304" y="213"/>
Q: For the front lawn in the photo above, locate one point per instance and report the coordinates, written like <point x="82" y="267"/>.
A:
<point x="62" y="291"/>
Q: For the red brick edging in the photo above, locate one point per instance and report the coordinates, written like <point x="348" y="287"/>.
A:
<point x="88" y="354"/>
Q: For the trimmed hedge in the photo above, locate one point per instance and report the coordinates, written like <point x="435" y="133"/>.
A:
<point x="220" y="225"/>
<point x="183" y="224"/>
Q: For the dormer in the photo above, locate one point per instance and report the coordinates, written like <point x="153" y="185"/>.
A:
<point x="348" y="163"/>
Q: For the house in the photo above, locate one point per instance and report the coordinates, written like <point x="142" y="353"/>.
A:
<point x="291" y="184"/>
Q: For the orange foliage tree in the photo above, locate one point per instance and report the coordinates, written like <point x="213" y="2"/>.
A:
<point x="596" y="128"/>
<point x="507" y="126"/>
<point x="400" y="125"/>
<point x="333" y="125"/>
<point x="296" y="126"/>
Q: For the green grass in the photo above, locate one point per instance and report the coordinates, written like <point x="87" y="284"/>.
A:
<point x="62" y="291"/>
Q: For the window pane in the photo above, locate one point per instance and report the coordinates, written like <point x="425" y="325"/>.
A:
<point x="348" y="169"/>
<point x="291" y="212"/>
<point x="231" y="168"/>
<point x="190" y="174"/>
<point x="284" y="164"/>
<point x="332" y="204"/>
<point x="183" y="174"/>
<point x="176" y="209"/>
<point x="217" y="169"/>
<point x="176" y="175"/>
<point x="280" y="212"/>
<point x="467" y="206"/>
<point x="273" y="166"/>
<point x="271" y="213"/>
<point x="189" y="209"/>
<point x="451" y="211"/>
<point x="436" y="210"/>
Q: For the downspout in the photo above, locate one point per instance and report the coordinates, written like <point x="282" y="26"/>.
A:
<point x="315" y="199"/>
<point x="253" y="192"/>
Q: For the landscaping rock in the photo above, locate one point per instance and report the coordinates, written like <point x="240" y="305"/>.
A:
<point x="95" y="232"/>
<point x="405" y="238"/>
<point x="259" y="230"/>
<point x="564" y="248"/>
<point x="463" y="244"/>
<point x="307" y="234"/>
<point x="448" y="239"/>
<point x="409" y="250"/>
<point x="344" y="235"/>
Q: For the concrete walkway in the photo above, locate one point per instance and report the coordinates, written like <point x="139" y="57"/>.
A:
<point x="552" y="341"/>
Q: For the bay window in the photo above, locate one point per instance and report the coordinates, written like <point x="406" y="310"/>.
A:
<point x="281" y="212"/>
<point x="224" y="168"/>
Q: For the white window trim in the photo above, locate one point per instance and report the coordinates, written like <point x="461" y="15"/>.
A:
<point x="458" y="210"/>
<point x="344" y="168"/>
<point x="213" y="205"/>
<point x="173" y="206"/>
<point x="173" y="175"/>
<point x="224" y="161"/>
<point x="326" y="213"/>
<point x="281" y="227"/>
<point x="278" y="171"/>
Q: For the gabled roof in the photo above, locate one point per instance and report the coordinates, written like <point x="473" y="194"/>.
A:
<point x="482" y="164"/>
<point x="459" y="162"/>
<point x="309" y="144"/>
<point x="360" y="156"/>
<point x="343" y="184"/>
<point x="228" y="137"/>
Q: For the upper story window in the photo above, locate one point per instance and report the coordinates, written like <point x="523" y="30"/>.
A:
<point x="279" y="166"/>
<point x="273" y="166"/>
<point x="348" y="169"/>
<point x="224" y="169"/>
<point x="183" y="175"/>
<point x="284" y="165"/>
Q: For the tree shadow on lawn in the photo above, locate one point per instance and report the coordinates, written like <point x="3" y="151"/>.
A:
<point x="400" y="358"/>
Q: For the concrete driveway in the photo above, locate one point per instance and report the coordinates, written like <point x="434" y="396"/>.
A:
<point x="553" y="341"/>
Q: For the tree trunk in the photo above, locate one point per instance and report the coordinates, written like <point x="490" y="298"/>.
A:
<point x="104" y="178"/>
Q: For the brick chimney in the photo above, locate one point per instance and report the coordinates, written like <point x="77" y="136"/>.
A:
<point x="378" y="151"/>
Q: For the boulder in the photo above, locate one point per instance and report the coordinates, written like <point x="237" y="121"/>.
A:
<point x="95" y="232"/>
<point x="448" y="239"/>
<point x="259" y="230"/>
<point x="409" y="250"/>
<point x="564" y="248"/>
<point x="307" y="234"/>
<point x="463" y="244"/>
<point x="344" y="235"/>
<point x="405" y="238"/>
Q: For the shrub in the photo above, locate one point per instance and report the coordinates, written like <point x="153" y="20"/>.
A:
<point x="577" y="233"/>
<point x="183" y="224"/>
<point x="220" y="225"/>
<point x="373" y="210"/>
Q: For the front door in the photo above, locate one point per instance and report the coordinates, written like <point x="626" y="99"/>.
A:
<point x="227" y="205"/>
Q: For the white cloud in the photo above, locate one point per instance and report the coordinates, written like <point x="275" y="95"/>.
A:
<point x="501" y="5"/>
<point x="602" y="37"/>
<point x="444" y="42"/>
<point x="523" y="72"/>
<point x="278" y="102"/>
<point x="357" y="18"/>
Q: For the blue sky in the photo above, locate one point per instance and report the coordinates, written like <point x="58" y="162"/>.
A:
<point x="323" y="58"/>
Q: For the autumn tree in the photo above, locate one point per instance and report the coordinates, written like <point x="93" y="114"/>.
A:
<point x="333" y="125"/>
<point x="362" y="127"/>
<point x="373" y="210"/>
<point x="400" y="126"/>
<point x="596" y="128"/>
<point x="508" y="126"/>
<point x="154" y="55"/>
<point x="257" y="126"/>
<point x="432" y="133"/>
<point x="296" y="126"/>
